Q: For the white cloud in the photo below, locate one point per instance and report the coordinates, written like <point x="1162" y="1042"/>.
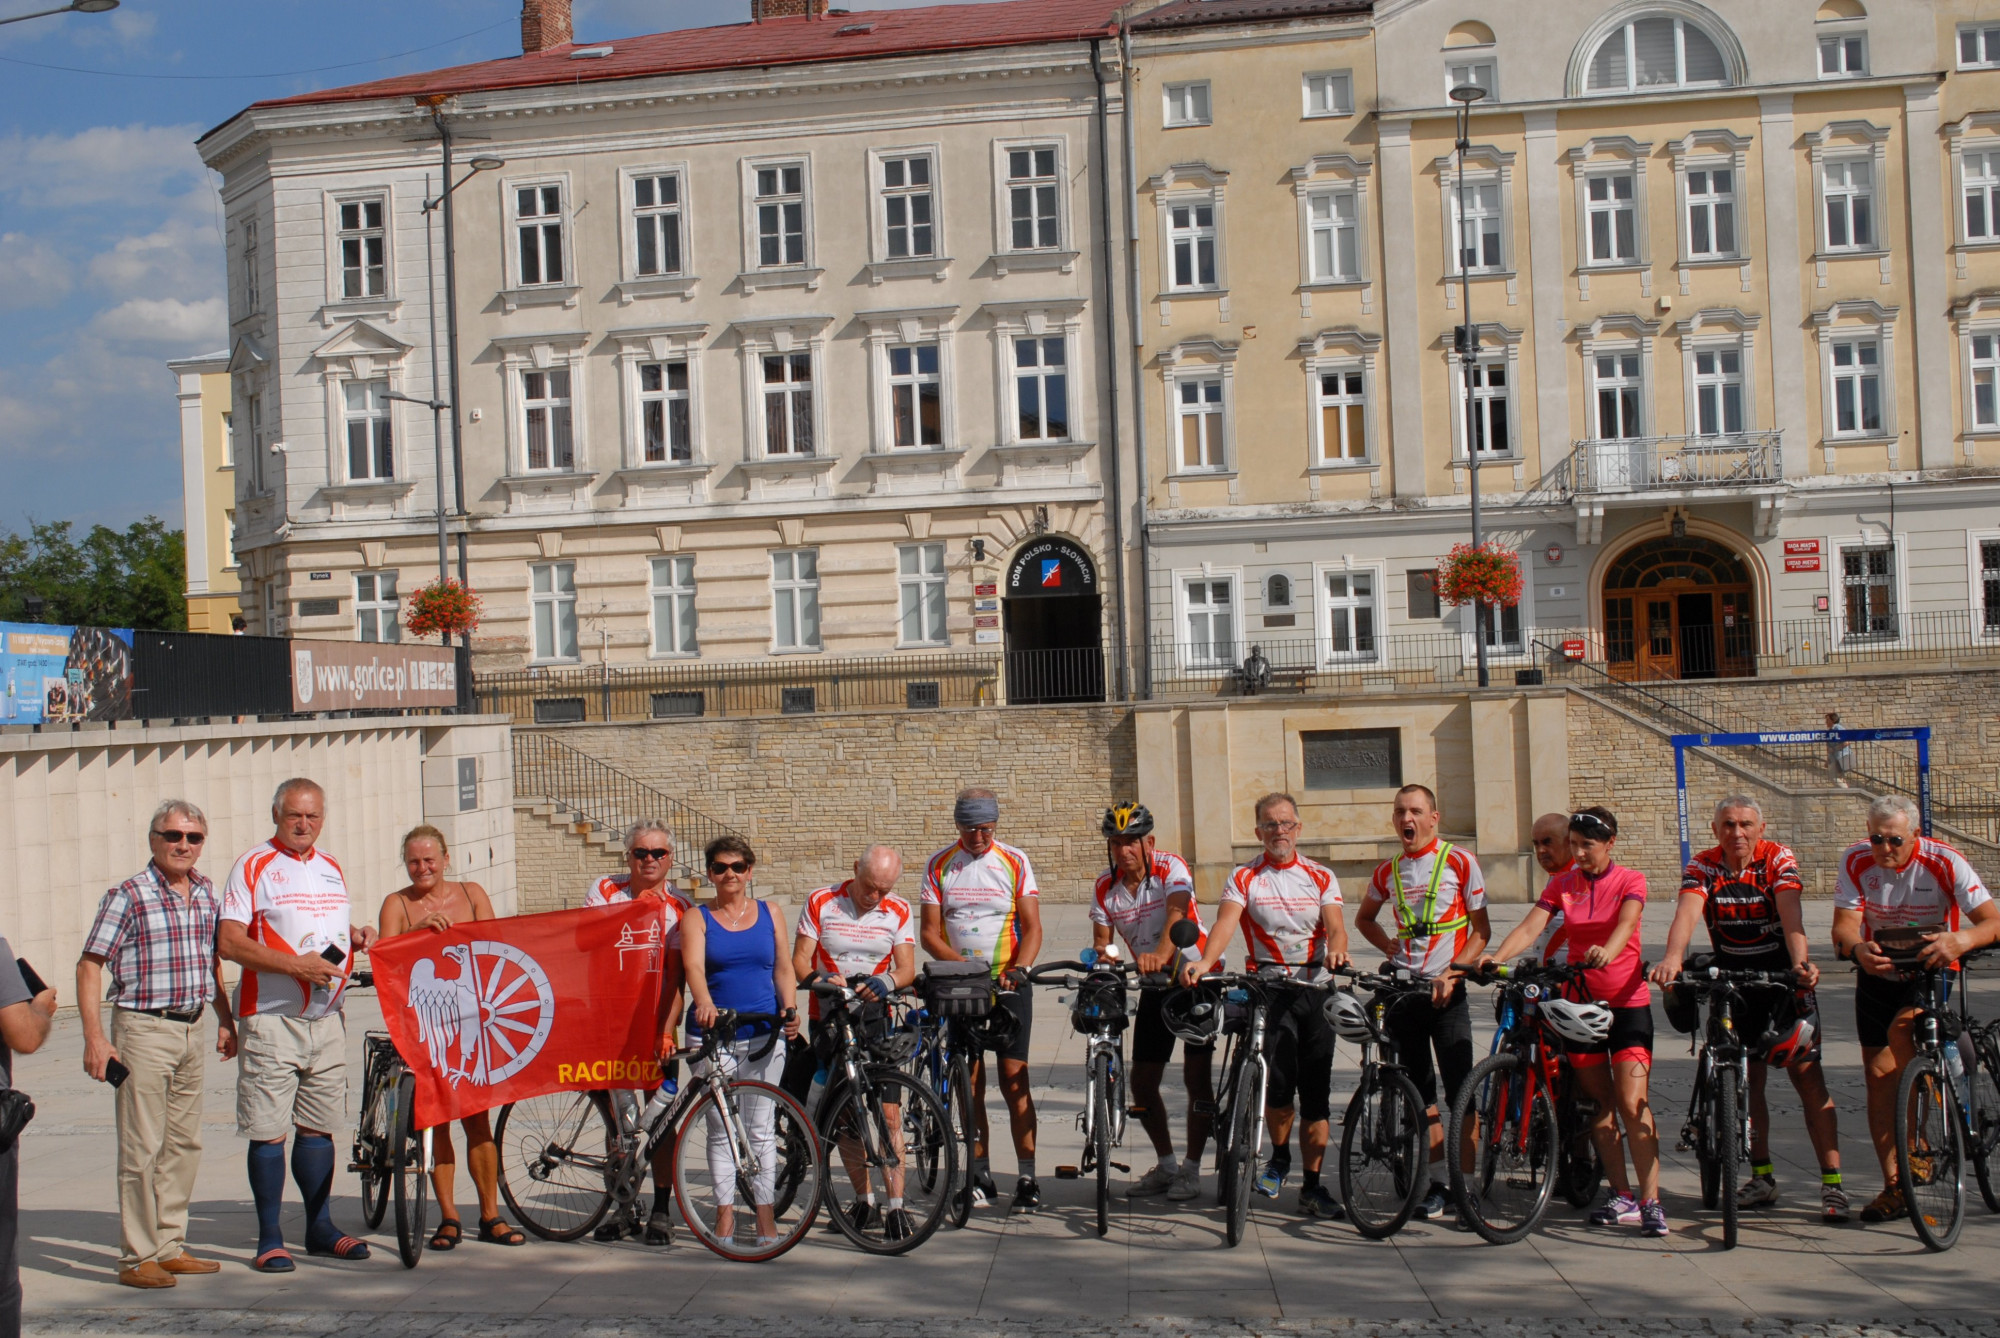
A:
<point x="32" y="272"/>
<point x="180" y="258"/>
<point x="166" y="322"/>
<point x="129" y="166"/>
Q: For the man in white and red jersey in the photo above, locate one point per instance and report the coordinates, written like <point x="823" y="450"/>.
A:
<point x="1438" y="898"/>
<point x="1901" y="880"/>
<point x="1144" y="893"/>
<point x="981" y="904"/>
<point x="1289" y="909"/>
<point x="649" y="859"/>
<point x="286" y="921"/>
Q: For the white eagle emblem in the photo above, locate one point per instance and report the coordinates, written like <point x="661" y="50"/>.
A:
<point x="486" y="1023"/>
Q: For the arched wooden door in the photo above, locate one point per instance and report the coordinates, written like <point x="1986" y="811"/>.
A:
<point x="1680" y="608"/>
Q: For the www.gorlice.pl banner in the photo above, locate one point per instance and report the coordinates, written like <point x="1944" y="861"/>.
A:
<point x="500" y="1010"/>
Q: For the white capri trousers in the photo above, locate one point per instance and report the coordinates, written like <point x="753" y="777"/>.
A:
<point x="760" y="1118"/>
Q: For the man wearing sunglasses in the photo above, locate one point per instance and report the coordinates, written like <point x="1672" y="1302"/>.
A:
<point x="156" y="931"/>
<point x="1900" y="880"/>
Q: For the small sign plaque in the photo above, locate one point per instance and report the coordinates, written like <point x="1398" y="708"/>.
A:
<point x="1802" y="564"/>
<point x="985" y="588"/>
<point x="987" y="637"/>
<point x="1801" y="546"/>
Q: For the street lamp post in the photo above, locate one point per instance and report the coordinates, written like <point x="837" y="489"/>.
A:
<point x="1467" y="339"/>
<point x="73" y="7"/>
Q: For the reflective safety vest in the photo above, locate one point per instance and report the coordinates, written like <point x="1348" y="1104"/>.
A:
<point x="1407" y="923"/>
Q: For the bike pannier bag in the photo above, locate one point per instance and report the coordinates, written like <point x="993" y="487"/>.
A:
<point x="957" y="989"/>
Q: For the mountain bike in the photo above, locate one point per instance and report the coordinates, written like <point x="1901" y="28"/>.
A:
<point x="568" y="1158"/>
<point x="952" y="1005"/>
<point x="1527" y="1140"/>
<point x="1946" y="1108"/>
<point x="1239" y="1119"/>
<point x="1718" y="1122"/>
<point x="1384" y="1142"/>
<point x="392" y="1159"/>
<point x="893" y="1141"/>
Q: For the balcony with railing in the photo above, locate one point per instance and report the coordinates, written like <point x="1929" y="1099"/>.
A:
<point x="1675" y="464"/>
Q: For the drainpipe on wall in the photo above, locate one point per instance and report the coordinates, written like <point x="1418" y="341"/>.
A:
<point x="1138" y="349"/>
<point x="1109" y="321"/>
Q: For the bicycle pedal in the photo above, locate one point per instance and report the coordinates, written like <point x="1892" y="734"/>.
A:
<point x="1684" y="1146"/>
<point x="1120" y="1167"/>
<point x="1068" y="1173"/>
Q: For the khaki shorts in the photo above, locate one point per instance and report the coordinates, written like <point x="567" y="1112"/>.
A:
<point x="290" y="1071"/>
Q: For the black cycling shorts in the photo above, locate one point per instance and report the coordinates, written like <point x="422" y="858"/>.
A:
<point x="1152" y="1043"/>
<point x="1631" y="1038"/>
<point x="1298" y="1043"/>
<point x="1418" y="1029"/>
<point x="1876" y="1003"/>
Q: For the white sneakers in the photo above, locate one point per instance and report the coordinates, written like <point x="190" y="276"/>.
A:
<point x="1159" y="1180"/>
<point x="1187" y="1182"/>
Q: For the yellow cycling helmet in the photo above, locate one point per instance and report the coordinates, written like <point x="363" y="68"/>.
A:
<point x="1130" y="820"/>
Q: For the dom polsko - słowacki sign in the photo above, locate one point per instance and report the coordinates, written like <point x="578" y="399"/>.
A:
<point x="371" y="676"/>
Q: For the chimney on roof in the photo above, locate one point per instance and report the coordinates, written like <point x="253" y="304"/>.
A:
<point x="786" y="9"/>
<point x="545" y="24"/>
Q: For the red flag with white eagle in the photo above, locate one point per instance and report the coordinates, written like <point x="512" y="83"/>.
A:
<point x="492" y="1011"/>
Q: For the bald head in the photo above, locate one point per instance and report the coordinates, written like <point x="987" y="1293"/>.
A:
<point x="1551" y="839"/>
<point x="879" y="866"/>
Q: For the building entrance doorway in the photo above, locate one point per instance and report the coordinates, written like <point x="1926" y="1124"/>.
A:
<point x="1679" y="608"/>
<point x="1054" y="620"/>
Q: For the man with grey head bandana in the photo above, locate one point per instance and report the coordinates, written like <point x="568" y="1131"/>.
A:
<point x="980" y="903"/>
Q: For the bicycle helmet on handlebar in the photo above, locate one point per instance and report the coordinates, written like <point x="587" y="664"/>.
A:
<point x="1129" y="821"/>
<point x="1789" y="1035"/>
<point x="998" y="1029"/>
<point x="1348" y="1015"/>
<point x="1682" y="1007"/>
<point x="1194" y="1015"/>
<point x="1580" y="1023"/>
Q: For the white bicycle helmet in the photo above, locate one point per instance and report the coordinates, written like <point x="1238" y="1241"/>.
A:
<point x="1581" y="1023"/>
<point x="1348" y="1015"/>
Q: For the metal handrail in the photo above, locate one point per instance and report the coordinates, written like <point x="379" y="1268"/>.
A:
<point x="549" y="771"/>
<point x="1617" y="464"/>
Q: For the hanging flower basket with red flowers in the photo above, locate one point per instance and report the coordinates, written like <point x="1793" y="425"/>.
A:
<point x="444" y="609"/>
<point x="1487" y="574"/>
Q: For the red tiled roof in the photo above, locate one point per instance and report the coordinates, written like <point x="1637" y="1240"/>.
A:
<point x="788" y="41"/>
<point x="1198" y="13"/>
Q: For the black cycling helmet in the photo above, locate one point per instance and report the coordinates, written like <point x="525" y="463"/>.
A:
<point x="1130" y="820"/>
<point x="1194" y="1014"/>
<point x="997" y="1030"/>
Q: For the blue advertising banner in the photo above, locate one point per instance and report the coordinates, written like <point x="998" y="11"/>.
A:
<point x="57" y="675"/>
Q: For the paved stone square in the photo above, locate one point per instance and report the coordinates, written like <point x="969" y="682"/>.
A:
<point x="1041" y="1274"/>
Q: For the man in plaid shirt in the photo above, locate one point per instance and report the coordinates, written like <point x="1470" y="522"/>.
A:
<point x="156" y="931"/>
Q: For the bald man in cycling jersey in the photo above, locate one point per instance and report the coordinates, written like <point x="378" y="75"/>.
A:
<point x="1550" y="838"/>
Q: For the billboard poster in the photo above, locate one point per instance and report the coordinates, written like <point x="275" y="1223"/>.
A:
<point x="372" y="675"/>
<point x="61" y="675"/>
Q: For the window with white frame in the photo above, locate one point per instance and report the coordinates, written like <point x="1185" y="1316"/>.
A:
<point x="547" y="422"/>
<point x="1655" y="52"/>
<point x="1490" y="436"/>
<point x="1473" y="73"/>
<point x="363" y="242"/>
<point x="1343" y="416"/>
<point x="1981" y="175"/>
<point x="1191" y="241"/>
<point x="916" y="390"/>
<point x="1989" y="586"/>
<point x="1277" y="593"/>
<point x="1187" y="104"/>
<point x="908" y="220"/>
<point x="371" y="454"/>
<point x="1476" y="218"/>
<point x="666" y="421"/>
<point x="656" y="224"/>
<point x="674" y="624"/>
<point x="1209" y="630"/>
<point x="920" y="594"/>
<point x="1041" y="387"/>
<point x="1986" y="381"/>
<point x="1857" y="387"/>
<point x="1843" y="56"/>
<point x="1620" y="395"/>
<point x="1333" y="221"/>
<point x="538" y="234"/>
<point x="229" y="540"/>
<point x="377" y="612"/>
<point x="1348" y="614"/>
<point x="1711" y="213"/>
<point x="780" y="203"/>
<point x="1199" y="399"/>
<point x="252" y="295"/>
<point x="254" y="441"/>
<point x="552" y="605"/>
<point x="1978" y="47"/>
<point x="1501" y="626"/>
<point x="795" y="599"/>
<point x="1612" y="212"/>
<point x="1034" y="193"/>
<point x="1868" y="590"/>
<point x="1849" y="186"/>
<point x="788" y="404"/>
<point x="1329" y="93"/>
<point x="1718" y="391"/>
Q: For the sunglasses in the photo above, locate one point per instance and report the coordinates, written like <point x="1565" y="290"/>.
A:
<point x="1893" y="842"/>
<point x="643" y="852"/>
<point x="175" y="838"/>
<point x="1591" y="826"/>
<point x="719" y="868"/>
<point x="1277" y="827"/>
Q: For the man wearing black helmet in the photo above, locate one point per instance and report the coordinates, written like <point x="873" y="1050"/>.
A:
<point x="1144" y="893"/>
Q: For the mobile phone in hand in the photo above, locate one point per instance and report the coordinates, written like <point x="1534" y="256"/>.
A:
<point x="116" y="1073"/>
<point x="33" y="981"/>
<point x="333" y="954"/>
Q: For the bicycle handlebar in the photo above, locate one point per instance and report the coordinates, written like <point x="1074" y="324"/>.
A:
<point x="1522" y="972"/>
<point x="1115" y="966"/>
<point x="1714" y="978"/>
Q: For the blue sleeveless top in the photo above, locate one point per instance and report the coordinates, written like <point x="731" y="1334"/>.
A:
<point x="740" y="965"/>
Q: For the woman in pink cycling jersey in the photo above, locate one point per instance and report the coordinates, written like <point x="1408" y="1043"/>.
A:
<point x="1601" y="902"/>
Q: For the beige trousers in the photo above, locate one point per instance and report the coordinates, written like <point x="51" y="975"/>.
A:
<point x="159" y="1132"/>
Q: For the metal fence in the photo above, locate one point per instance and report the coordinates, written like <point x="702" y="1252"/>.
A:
<point x="190" y="675"/>
<point x="548" y="771"/>
<point x="1633" y="464"/>
<point x="1419" y="662"/>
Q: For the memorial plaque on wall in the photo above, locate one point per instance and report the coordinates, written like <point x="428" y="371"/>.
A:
<point x="1352" y="759"/>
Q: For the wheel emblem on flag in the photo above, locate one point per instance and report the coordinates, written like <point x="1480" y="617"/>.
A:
<point x="489" y="1021"/>
<point x="1051" y="571"/>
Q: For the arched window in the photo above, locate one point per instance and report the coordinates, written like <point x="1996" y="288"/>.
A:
<point x="1657" y="51"/>
<point x="1278" y="592"/>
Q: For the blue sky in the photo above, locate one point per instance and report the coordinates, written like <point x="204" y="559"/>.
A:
<point x="110" y="233"/>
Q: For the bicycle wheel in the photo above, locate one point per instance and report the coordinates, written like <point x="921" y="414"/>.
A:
<point x="371" y="1152"/>
<point x="888" y="1142"/>
<point x="1701" y="1117"/>
<point x="1726" y="1117"/>
<point x="958" y="1083"/>
<point x="406" y="1166"/>
<point x="1384" y="1153"/>
<point x="558" y="1157"/>
<point x="1513" y="1173"/>
<point x="1578" y="1170"/>
<point x="728" y="1159"/>
<point x="1100" y="1136"/>
<point x="1982" y="1085"/>
<point x="1930" y="1154"/>
<point x="1241" y="1158"/>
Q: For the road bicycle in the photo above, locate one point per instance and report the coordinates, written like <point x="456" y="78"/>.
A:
<point x="891" y="1171"/>
<point x="392" y="1159"/>
<point x="1239" y="1122"/>
<point x="1718" y="1122"/>
<point x="1528" y="1127"/>
<point x="944" y="1022"/>
<point x="568" y="1158"/>
<point x="1947" y="1107"/>
<point x="1384" y="1136"/>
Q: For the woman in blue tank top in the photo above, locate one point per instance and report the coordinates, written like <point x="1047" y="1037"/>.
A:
<point x="736" y="958"/>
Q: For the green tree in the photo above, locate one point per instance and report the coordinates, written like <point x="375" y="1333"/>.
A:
<point x="107" y="578"/>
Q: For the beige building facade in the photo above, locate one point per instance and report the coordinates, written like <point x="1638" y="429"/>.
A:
<point x="208" y="490"/>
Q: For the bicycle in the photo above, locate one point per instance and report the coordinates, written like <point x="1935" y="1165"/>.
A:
<point x="952" y="1002"/>
<point x="566" y="1159"/>
<point x="890" y="1130"/>
<point x="1239" y="1120"/>
<point x="1718" y="1122"/>
<point x="1529" y="1127"/>
<point x="392" y="1158"/>
<point x="1935" y="1125"/>
<point x="1384" y="1142"/>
